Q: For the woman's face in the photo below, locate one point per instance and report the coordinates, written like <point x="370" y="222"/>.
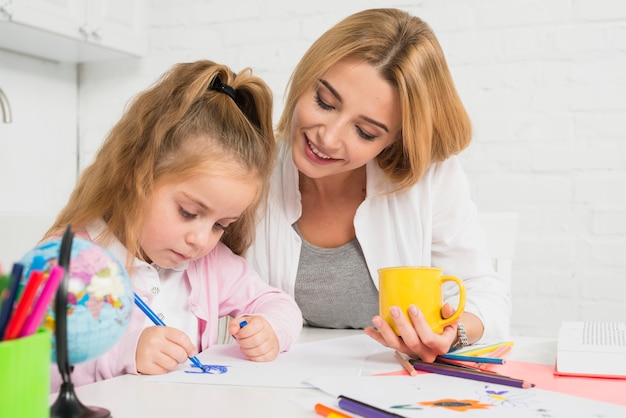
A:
<point x="344" y="120"/>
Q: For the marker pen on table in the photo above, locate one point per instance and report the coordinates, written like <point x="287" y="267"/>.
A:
<point x="362" y="409"/>
<point x="329" y="412"/>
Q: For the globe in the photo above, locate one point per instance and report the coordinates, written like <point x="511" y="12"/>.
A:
<point x="99" y="297"/>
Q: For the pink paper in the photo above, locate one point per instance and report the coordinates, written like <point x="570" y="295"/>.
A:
<point x="542" y="375"/>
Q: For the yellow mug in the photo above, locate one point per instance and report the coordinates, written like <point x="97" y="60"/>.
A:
<point x="419" y="286"/>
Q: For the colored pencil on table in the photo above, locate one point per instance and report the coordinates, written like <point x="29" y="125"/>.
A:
<point x="500" y="352"/>
<point x="475" y="359"/>
<point x="329" y="412"/>
<point x="455" y="371"/>
<point x="469" y="365"/>
<point x="363" y="409"/>
<point x="405" y="363"/>
<point x="480" y="350"/>
<point x="443" y="363"/>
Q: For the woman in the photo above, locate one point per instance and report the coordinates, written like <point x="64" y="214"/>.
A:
<point x="367" y="178"/>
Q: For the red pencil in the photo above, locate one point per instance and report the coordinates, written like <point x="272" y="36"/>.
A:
<point x="23" y="307"/>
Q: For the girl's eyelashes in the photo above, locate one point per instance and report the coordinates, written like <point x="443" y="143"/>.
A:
<point x="185" y="214"/>
<point x="191" y="216"/>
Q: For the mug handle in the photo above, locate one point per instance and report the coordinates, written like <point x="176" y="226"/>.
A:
<point x="461" y="306"/>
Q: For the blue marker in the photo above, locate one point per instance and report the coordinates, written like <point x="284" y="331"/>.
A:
<point x="157" y="321"/>
<point x="241" y="325"/>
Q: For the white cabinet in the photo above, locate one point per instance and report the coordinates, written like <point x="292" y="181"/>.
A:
<point x="38" y="149"/>
<point x="74" y="30"/>
<point x="117" y="24"/>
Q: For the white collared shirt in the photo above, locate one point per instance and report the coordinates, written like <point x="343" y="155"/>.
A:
<point x="171" y="300"/>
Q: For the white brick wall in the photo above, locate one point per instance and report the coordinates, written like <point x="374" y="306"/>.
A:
<point x="544" y="82"/>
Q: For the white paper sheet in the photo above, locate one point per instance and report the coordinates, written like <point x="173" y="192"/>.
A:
<point x="345" y="356"/>
<point x="442" y="396"/>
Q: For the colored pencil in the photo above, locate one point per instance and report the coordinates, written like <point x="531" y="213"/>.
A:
<point x="23" y="306"/>
<point x="455" y="371"/>
<point x="362" y="409"/>
<point x="329" y="412"/>
<point x="500" y="352"/>
<point x="159" y="322"/>
<point x="10" y="297"/>
<point x="469" y="365"/>
<point x="41" y="304"/>
<point x="5" y="281"/>
<point x="475" y="359"/>
<point x="405" y="363"/>
<point x="442" y="363"/>
<point x="480" y="350"/>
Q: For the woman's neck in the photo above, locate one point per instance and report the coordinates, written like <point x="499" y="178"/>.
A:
<point x="328" y="207"/>
<point x="350" y="183"/>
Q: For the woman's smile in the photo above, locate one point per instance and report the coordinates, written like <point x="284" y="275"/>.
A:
<point x="316" y="155"/>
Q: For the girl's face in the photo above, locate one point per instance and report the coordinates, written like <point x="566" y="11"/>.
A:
<point x="186" y="219"/>
<point x="344" y="120"/>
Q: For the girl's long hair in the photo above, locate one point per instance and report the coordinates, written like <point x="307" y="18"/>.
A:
<point x="170" y="130"/>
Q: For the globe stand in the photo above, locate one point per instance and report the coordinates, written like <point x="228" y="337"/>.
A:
<point x="67" y="404"/>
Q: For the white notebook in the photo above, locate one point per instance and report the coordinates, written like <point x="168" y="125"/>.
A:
<point x="592" y="348"/>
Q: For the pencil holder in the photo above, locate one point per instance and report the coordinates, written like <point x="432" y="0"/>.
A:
<point x="25" y="376"/>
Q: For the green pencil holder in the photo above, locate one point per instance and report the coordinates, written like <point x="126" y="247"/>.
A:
<point x="25" y="376"/>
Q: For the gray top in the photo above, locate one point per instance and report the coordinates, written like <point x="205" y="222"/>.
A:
<point x="333" y="286"/>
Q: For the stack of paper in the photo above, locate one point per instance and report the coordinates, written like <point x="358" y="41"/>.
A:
<point x="592" y="349"/>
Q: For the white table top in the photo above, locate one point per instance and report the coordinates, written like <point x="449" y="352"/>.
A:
<point x="132" y="396"/>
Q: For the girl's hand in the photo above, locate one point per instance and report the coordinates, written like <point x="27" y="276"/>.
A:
<point x="417" y="339"/>
<point x="256" y="339"/>
<point x="161" y="349"/>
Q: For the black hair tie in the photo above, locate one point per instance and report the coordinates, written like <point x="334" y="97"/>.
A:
<point x="217" y="85"/>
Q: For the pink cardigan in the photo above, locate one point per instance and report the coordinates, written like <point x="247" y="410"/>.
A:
<point x="222" y="283"/>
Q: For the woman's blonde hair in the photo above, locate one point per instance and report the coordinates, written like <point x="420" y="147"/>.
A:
<point x="405" y="51"/>
<point x="186" y="120"/>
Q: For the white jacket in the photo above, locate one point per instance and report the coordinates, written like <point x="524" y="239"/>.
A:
<point x="432" y="224"/>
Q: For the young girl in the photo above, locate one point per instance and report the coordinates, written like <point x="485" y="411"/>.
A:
<point x="173" y="193"/>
